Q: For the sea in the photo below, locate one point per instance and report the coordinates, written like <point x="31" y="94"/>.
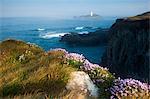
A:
<point x="46" y="32"/>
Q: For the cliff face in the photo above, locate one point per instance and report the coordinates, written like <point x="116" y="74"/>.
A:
<point x="127" y="54"/>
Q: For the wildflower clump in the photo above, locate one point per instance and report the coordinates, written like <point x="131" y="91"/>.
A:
<point x="96" y="72"/>
<point x="129" y="89"/>
<point x="99" y="75"/>
<point x="75" y="57"/>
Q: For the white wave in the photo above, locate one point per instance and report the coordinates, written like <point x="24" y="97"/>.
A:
<point x="83" y="32"/>
<point x="52" y="35"/>
<point x="79" y="28"/>
<point x="40" y="29"/>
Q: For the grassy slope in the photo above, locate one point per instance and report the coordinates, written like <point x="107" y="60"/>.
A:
<point x="143" y="16"/>
<point x="25" y="68"/>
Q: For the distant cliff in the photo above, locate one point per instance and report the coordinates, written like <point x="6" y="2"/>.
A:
<point x="128" y="48"/>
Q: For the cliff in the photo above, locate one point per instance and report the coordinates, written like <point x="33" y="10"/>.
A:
<point x="127" y="53"/>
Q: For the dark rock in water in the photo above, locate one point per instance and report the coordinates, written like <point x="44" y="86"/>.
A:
<point x="91" y="39"/>
<point x="127" y="54"/>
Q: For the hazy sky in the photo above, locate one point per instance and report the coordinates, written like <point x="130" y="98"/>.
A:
<point x="69" y="8"/>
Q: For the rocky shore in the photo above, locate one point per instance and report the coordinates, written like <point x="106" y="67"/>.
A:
<point x="96" y="38"/>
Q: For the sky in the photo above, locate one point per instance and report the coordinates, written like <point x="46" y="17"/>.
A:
<point x="70" y="8"/>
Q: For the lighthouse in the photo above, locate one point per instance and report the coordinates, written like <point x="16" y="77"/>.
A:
<point x="91" y="14"/>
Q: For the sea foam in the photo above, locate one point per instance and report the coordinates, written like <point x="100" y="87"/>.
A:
<point x="83" y="32"/>
<point x="52" y="35"/>
<point x="79" y="28"/>
<point x="40" y="29"/>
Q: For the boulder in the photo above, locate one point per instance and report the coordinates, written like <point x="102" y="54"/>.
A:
<point x="81" y="83"/>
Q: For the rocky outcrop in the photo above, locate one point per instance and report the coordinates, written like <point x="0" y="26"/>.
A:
<point x="127" y="53"/>
<point x="81" y="83"/>
<point x="91" y="39"/>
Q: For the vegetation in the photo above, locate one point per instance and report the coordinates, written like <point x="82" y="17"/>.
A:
<point x="26" y="68"/>
<point x="27" y="71"/>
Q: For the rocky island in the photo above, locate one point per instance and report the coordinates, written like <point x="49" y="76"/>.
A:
<point x="91" y="16"/>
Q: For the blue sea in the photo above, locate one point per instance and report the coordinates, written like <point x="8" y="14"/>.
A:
<point x="46" y="33"/>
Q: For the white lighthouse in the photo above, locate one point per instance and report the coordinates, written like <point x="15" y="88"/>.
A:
<point x="91" y="13"/>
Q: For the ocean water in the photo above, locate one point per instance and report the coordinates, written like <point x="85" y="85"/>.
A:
<point x="46" y="33"/>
